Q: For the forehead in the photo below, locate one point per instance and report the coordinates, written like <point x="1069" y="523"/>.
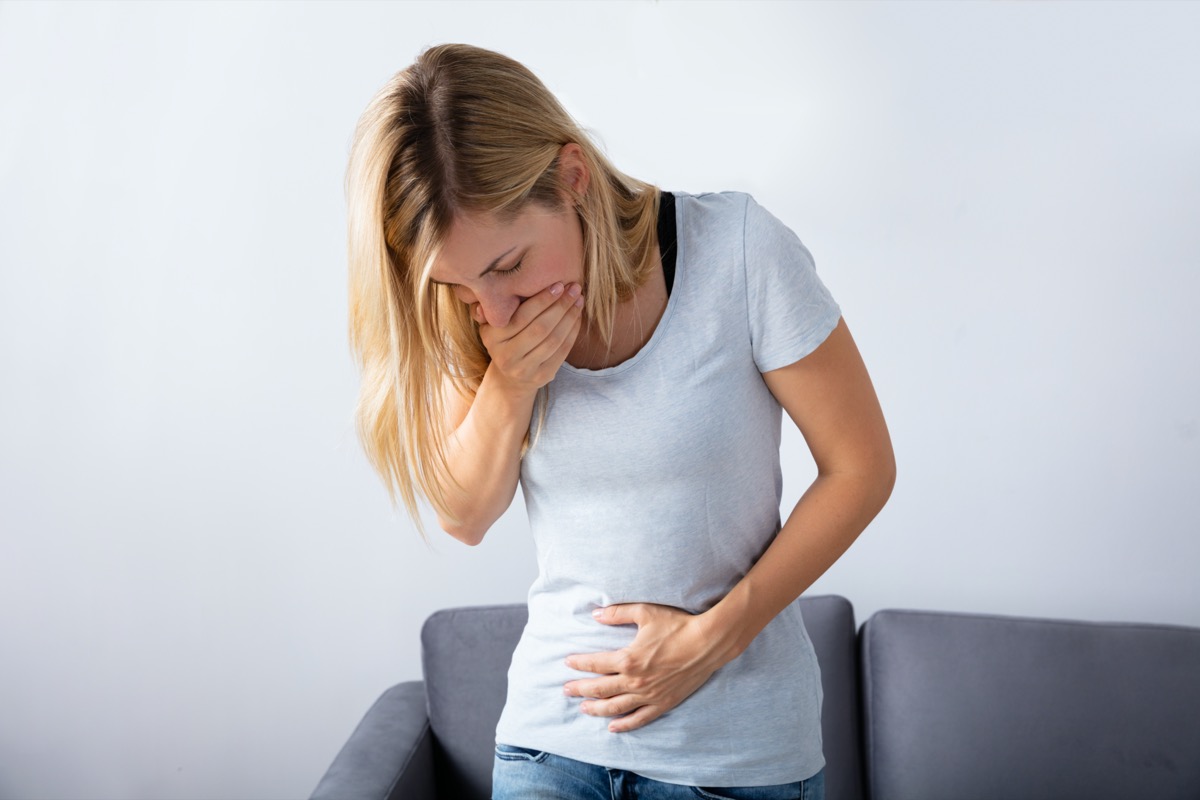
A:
<point x="476" y="239"/>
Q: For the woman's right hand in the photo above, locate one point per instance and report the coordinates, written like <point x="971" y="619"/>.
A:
<point x="489" y="428"/>
<point x="528" y="351"/>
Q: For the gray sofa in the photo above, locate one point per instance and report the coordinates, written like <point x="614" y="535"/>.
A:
<point x="918" y="706"/>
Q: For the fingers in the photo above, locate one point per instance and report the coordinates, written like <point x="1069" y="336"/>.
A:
<point x="560" y="355"/>
<point x="529" y="350"/>
<point x="530" y="308"/>
<point x="616" y="706"/>
<point x="534" y="320"/>
<point x="535" y="306"/>
<point x="554" y="348"/>
<point x="637" y="719"/>
<point x="631" y="710"/>
<point x="609" y="686"/>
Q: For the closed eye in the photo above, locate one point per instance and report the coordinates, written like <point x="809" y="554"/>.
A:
<point x="508" y="271"/>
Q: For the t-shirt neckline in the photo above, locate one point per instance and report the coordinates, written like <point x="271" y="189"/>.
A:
<point x="668" y="245"/>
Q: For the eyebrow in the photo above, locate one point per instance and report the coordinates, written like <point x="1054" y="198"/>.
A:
<point x="495" y="263"/>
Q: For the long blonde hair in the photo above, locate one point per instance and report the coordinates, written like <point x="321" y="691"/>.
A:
<point x="462" y="130"/>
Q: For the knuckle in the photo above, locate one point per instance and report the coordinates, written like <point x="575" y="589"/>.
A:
<point x="539" y="328"/>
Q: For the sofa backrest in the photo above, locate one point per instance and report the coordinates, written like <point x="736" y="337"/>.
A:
<point x="466" y="654"/>
<point x="829" y="620"/>
<point x="986" y="707"/>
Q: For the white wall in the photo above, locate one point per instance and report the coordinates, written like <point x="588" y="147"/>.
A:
<point x="202" y="586"/>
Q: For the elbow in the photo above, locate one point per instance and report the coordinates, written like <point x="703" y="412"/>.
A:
<point x="462" y="530"/>
<point x="888" y="483"/>
<point x="874" y="477"/>
<point x="470" y="520"/>
<point x="887" y="468"/>
<point x="884" y="477"/>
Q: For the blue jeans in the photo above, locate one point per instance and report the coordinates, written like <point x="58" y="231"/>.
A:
<point x="519" y="773"/>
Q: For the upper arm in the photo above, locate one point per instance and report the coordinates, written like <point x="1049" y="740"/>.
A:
<point x="830" y="397"/>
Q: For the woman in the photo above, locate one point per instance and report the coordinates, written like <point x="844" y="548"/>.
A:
<point x="524" y="313"/>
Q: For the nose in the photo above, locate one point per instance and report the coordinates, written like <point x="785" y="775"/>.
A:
<point x="499" y="311"/>
<point x="498" y="307"/>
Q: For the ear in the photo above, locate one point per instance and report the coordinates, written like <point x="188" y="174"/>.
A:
<point x="573" y="168"/>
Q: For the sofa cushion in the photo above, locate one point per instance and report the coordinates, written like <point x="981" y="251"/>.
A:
<point x="971" y="706"/>
<point x="466" y="654"/>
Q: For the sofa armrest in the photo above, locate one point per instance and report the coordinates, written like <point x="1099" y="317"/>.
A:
<point x="390" y="754"/>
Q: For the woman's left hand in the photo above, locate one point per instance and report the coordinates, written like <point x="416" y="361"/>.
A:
<point x="671" y="657"/>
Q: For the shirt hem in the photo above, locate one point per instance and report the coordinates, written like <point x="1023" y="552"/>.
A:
<point x="721" y="777"/>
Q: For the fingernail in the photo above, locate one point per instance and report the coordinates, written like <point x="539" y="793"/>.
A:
<point x="575" y="290"/>
<point x="597" y="611"/>
<point x="579" y="303"/>
<point x="556" y="289"/>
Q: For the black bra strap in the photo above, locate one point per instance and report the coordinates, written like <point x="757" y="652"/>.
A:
<point x="667" y="237"/>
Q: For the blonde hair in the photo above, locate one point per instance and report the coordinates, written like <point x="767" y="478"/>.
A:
<point x="462" y="130"/>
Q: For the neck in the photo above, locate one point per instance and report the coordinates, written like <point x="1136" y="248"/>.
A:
<point x="633" y="326"/>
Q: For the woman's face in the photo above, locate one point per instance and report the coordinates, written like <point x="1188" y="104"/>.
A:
<point x="498" y="265"/>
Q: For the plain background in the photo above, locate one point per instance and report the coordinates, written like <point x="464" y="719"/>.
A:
<point x="202" y="584"/>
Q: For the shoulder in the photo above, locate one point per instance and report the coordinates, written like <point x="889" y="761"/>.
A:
<point x="721" y="204"/>
<point x="732" y="227"/>
<point x="712" y="219"/>
<point x="723" y="213"/>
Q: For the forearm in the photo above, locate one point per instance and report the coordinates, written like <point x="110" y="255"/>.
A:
<point x="821" y="527"/>
<point x="484" y="457"/>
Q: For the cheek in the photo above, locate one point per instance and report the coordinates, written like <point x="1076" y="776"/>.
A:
<point x="557" y="267"/>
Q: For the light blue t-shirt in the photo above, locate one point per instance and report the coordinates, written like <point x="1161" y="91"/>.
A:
<point x="658" y="481"/>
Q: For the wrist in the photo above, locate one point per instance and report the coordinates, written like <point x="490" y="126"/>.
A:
<point x="727" y="625"/>
<point x="514" y="397"/>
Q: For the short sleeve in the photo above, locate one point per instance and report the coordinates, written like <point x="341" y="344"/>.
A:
<point x="791" y="312"/>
